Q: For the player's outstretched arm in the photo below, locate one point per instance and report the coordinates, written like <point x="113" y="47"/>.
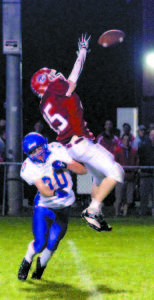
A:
<point x="74" y="166"/>
<point x="77" y="168"/>
<point x="83" y="45"/>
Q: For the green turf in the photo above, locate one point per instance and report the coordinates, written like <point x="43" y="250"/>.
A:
<point x="88" y="265"/>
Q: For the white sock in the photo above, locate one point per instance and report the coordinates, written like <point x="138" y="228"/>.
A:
<point x="95" y="206"/>
<point x="30" y="253"/>
<point x="45" y="257"/>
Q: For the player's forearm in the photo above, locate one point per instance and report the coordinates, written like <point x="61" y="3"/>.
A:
<point x="78" y="66"/>
<point x="44" y="188"/>
<point x="76" y="71"/>
<point x="83" y="45"/>
<point x="46" y="192"/>
<point x="71" y="88"/>
<point x="77" y="168"/>
<point x="74" y="166"/>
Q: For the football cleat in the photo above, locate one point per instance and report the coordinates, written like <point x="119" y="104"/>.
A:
<point x="37" y="274"/>
<point x="24" y="270"/>
<point x="96" y="222"/>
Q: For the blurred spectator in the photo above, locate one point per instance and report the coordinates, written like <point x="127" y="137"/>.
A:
<point x="127" y="130"/>
<point x="146" y="155"/>
<point x="125" y="155"/>
<point x="141" y="137"/>
<point x="2" y="123"/>
<point x="117" y="132"/>
<point x="38" y="127"/>
<point x="44" y="129"/>
<point x="151" y="126"/>
<point x="106" y="138"/>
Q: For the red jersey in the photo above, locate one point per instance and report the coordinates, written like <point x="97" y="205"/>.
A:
<point x="108" y="142"/>
<point x="63" y="114"/>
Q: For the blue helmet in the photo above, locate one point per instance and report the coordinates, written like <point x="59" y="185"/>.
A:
<point x="32" y="141"/>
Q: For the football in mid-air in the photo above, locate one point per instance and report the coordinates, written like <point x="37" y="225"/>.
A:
<point x="111" y="38"/>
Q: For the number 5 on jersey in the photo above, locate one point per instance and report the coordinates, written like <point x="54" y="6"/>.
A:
<point x="57" y="122"/>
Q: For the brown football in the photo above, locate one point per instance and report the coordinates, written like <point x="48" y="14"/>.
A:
<point x="111" y="37"/>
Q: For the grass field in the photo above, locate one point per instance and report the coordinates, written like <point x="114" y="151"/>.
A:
<point x="87" y="265"/>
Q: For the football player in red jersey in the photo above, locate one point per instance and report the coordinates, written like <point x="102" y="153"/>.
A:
<point x="62" y="109"/>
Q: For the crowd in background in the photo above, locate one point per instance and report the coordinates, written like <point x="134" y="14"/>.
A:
<point x="132" y="152"/>
<point x="129" y="151"/>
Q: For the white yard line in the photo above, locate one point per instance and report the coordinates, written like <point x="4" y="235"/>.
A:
<point x="83" y="273"/>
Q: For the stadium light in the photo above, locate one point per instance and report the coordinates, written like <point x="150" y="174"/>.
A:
<point x="150" y="60"/>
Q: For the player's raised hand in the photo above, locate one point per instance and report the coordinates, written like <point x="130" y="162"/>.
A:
<point x="83" y="42"/>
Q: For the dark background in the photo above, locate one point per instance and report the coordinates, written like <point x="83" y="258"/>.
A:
<point x="50" y="32"/>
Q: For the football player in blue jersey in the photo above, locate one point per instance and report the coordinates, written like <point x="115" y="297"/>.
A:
<point x="47" y="167"/>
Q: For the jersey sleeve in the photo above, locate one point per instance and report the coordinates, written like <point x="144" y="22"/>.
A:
<point x="29" y="172"/>
<point x="58" y="87"/>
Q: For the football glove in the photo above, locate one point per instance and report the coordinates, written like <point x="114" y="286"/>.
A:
<point x="59" y="166"/>
<point x="83" y="42"/>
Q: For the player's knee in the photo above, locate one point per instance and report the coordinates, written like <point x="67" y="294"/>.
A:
<point x="55" y="236"/>
<point x="53" y="245"/>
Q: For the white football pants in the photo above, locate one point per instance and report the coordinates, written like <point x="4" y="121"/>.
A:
<point x="99" y="162"/>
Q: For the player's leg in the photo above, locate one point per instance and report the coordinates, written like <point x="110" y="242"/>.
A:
<point x="40" y="229"/>
<point x="93" y="214"/>
<point x="24" y="269"/>
<point x="56" y="233"/>
<point x="101" y="192"/>
<point x="101" y="164"/>
<point x="46" y="254"/>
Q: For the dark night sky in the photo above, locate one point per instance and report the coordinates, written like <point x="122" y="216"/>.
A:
<point x="50" y="31"/>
